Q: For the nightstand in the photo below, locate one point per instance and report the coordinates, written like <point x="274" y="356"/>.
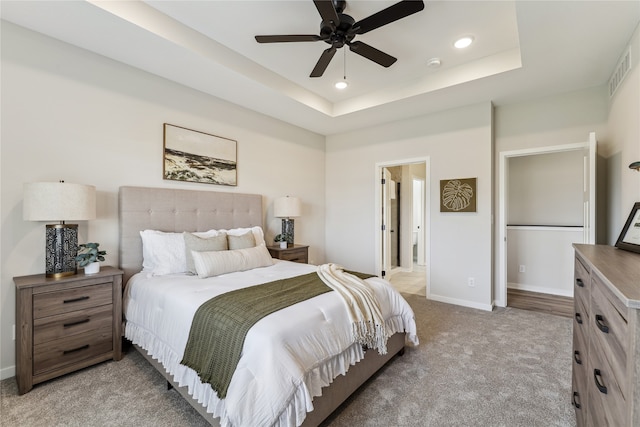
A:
<point x="66" y="324"/>
<point x="295" y="253"/>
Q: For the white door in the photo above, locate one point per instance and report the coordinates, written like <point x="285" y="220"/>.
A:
<point x="418" y="219"/>
<point x="590" y="190"/>
<point x="386" y="217"/>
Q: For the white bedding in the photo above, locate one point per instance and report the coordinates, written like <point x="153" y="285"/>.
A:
<point x="287" y="356"/>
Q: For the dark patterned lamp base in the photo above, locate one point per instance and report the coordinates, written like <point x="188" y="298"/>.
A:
<point x="61" y="250"/>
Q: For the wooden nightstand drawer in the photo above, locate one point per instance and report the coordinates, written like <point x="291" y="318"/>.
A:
<point x="56" y="302"/>
<point x="67" y="324"/>
<point x="57" y="354"/>
<point x="295" y="253"/>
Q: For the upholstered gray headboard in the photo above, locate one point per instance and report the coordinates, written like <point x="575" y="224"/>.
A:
<point x="171" y="210"/>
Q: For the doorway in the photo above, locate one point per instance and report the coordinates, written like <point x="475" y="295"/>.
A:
<point x="534" y="237"/>
<point x="402" y="200"/>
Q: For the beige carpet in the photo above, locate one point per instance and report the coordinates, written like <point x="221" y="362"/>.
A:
<point x="473" y="368"/>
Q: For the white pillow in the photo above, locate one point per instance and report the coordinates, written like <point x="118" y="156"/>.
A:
<point x="221" y="262"/>
<point x="164" y="253"/>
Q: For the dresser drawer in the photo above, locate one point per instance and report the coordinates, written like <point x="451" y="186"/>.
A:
<point x="60" y="353"/>
<point x="579" y="401"/>
<point x="580" y="316"/>
<point x="608" y="403"/>
<point x="579" y="370"/>
<point x="581" y="282"/>
<point x="64" y="301"/>
<point x="75" y="322"/>
<point x="609" y="333"/>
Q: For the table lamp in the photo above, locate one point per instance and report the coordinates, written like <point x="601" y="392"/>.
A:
<point x="59" y="201"/>
<point x="286" y="208"/>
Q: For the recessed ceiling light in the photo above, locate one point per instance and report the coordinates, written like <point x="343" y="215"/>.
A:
<point x="342" y="84"/>
<point x="463" y="42"/>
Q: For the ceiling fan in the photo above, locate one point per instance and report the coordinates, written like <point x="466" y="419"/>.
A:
<point x="338" y="29"/>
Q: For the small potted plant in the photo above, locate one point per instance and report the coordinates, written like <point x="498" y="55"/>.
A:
<point x="89" y="257"/>
<point x="283" y="239"/>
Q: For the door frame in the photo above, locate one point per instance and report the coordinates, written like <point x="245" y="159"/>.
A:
<point x="590" y="218"/>
<point x="379" y="166"/>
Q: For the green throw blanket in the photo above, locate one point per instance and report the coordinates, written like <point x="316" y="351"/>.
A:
<point x="220" y="325"/>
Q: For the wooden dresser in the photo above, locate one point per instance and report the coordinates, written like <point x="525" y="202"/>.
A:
<point x="66" y="324"/>
<point x="606" y="336"/>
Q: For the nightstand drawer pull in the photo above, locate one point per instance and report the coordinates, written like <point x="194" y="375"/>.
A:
<point x="84" y="347"/>
<point x="579" y="318"/>
<point x="580" y="283"/>
<point x="79" y="322"/>
<point x="597" y="377"/>
<point x="600" y="322"/>
<point x="576" y="357"/>
<point x="67" y="301"/>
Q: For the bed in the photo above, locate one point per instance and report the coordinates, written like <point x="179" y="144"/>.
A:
<point x="295" y="389"/>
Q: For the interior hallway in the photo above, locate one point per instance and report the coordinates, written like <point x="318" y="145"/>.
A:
<point x="414" y="282"/>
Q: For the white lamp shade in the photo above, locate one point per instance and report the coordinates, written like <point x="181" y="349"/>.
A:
<point x="287" y="207"/>
<point x="58" y="201"/>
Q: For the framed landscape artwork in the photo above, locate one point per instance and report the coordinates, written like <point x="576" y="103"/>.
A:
<point x="458" y="195"/>
<point x="195" y="156"/>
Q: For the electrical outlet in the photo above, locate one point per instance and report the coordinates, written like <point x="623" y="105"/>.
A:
<point x="471" y="281"/>
<point x="522" y="268"/>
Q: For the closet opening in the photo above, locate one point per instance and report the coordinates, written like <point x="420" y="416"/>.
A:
<point x="547" y="203"/>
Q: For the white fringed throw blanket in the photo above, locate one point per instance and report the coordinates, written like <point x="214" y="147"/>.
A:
<point x="364" y="311"/>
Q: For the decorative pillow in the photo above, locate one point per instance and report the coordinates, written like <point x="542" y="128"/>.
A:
<point x="221" y="262"/>
<point x="202" y="244"/>
<point x="257" y="233"/>
<point x="243" y="241"/>
<point x="164" y="253"/>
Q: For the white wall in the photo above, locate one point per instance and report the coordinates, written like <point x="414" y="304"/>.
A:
<point x="547" y="257"/>
<point x="546" y="189"/>
<point x="623" y="146"/>
<point x="459" y="145"/>
<point x="73" y="115"/>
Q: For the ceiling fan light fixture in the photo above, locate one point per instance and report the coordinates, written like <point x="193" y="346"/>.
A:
<point x="463" y="42"/>
<point x="342" y="84"/>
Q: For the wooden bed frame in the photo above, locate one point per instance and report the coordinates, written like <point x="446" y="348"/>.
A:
<point x="173" y="210"/>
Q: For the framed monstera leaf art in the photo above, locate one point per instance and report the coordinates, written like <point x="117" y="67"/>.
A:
<point x="458" y="195"/>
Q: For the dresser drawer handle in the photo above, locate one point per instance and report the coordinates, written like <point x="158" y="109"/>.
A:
<point x="575" y="401"/>
<point x="597" y="377"/>
<point x="579" y="318"/>
<point x="600" y="322"/>
<point x="576" y="357"/>
<point x="79" y="322"/>
<point x="67" y="301"/>
<point x="84" y="347"/>
<point x="580" y="283"/>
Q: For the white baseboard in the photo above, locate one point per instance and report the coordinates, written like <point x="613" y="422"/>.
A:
<point x="542" y="290"/>
<point x="7" y="372"/>
<point x="463" y="303"/>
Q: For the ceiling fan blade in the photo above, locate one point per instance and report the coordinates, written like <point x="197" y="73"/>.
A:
<point x="386" y="16"/>
<point x="372" y="53"/>
<point x="323" y="62"/>
<point x="288" y="38"/>
<point x="327" y="11"/>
